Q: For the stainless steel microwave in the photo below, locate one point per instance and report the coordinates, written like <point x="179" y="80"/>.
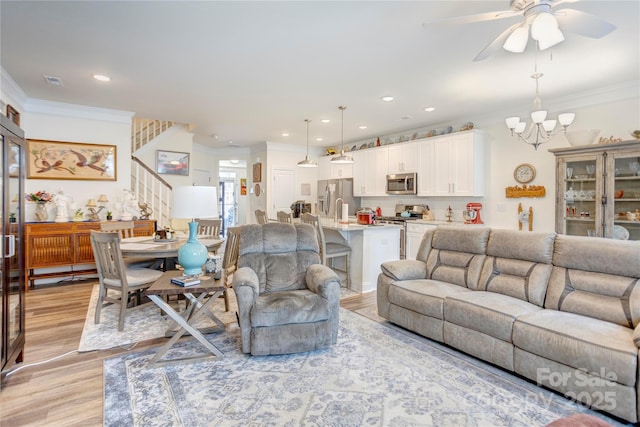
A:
<point x="402" y="183"/>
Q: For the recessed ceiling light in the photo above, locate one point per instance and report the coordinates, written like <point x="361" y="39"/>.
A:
<point x="285" y="134"/>
<point x="230" y="142"/>
<point x="429" y="109"/>
<point x="405" y="117"/>
<point x="387" y="98"/>
<point x="319" y="139"/>
<point x="362" y="127"/>
<point x="102" y="78"/>
<point x="325" y="121"/>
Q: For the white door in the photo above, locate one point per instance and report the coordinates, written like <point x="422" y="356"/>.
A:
<point x="283" y="192"/>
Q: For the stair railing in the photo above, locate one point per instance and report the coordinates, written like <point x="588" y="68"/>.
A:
<point x="152" y="189"/>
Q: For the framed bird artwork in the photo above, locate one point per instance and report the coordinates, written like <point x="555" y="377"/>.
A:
<point x="70" y="160"/>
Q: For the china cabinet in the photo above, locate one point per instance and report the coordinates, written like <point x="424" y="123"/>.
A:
<point x="12" y="155"/>
<point x="598" y="190"/>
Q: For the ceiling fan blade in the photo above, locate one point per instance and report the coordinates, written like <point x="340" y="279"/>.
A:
<point x="470" y="19"/>
<point x="583" y="23"/>
<point x="497" y="43"/>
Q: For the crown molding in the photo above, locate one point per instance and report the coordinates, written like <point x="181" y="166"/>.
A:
<point x="11" y="89"/>
<point x="77" y="111"/>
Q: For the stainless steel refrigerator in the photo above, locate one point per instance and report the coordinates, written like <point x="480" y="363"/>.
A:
<point x="329" y="191"/>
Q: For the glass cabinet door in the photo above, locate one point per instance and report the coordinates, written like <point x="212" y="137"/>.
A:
<point x="625" y="196"/>
<point x="582" y="207"/>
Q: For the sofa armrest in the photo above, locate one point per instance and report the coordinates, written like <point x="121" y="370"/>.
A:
<point x="636" y="335"/>
<point x="247" y="288"/>
<point x="405" y="269"/>
<point x="323" y="281"/>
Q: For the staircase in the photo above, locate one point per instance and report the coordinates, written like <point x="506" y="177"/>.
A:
<point x="149" y="187"/>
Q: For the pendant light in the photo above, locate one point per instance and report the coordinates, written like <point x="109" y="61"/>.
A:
<point x="306" y="163"/>
<point x="342" y="158"/>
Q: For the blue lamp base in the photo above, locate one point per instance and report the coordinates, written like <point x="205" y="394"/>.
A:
<point x="193" y="254"/>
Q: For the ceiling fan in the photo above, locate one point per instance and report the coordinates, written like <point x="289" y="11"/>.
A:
<point x="545" y="20"/>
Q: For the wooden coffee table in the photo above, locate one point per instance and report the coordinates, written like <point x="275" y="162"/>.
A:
<point x="200" y="297"/>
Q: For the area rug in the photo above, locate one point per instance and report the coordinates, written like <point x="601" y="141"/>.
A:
<point x="373" y="376"/>
<point x="144" y="322"/>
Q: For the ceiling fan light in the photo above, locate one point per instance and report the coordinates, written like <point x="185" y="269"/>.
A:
<point x="566" y="119"/>
<point x="550" y="39"/>
<point x="517" y="41"/>
<point x="512" y="122"/>
<point x="542" y="25"/>
<point x="539" y="116"/>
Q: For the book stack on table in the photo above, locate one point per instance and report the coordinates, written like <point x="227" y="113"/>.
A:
<point x="185" y="281"/>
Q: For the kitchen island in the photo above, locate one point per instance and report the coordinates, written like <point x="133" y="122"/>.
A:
<point x="371" y="245"/>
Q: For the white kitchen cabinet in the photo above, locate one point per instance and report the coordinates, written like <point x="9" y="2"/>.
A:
<point x="370" y="172"/>
<point x="458" y="165"/>
<point x="426" y="175"/>
<point x="328" y="170"/>
<point x="403" y="157"/>
<point x="415" y="232"/>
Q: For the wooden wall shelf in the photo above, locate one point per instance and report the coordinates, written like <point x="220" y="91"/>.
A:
<point x="65" y="244"/>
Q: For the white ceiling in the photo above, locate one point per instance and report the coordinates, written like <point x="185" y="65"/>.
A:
<point x="249" y="71"/>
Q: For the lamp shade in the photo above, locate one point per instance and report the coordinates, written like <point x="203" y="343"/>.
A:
<point x="517" y="41"/>
<point x="194" y="202"/>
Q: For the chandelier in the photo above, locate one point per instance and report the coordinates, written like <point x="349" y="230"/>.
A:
<point x="541" y="130"/>
<point x="342" y="158"/>
<point x="306" y="163"/>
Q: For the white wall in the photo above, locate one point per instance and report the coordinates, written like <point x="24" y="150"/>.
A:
<point x="72" y="123"/>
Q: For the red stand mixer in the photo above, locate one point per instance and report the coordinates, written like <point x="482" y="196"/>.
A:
<point x="472" y="214"/>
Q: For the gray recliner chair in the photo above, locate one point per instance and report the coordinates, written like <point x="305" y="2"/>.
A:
<point x="288" y="302"/>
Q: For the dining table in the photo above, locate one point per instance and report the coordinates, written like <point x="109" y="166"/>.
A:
<point x="164" y="250"/>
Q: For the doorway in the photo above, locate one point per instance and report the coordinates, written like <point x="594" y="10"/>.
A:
<point x="284" y="181"/>
<point x="228" y="204"/>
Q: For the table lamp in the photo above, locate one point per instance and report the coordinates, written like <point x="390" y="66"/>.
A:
<point x="193" y="202"/>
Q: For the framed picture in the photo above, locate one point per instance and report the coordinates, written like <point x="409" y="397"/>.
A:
<point x="70" y="160"/>
<point x="257" y="172"/>
<point x="172" y="163"/>
<point x="13" y="115"/>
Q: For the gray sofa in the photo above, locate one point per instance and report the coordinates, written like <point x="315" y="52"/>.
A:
<point x="563" y="311"/>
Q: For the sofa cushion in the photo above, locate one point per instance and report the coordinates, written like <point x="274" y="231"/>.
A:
<point x="287" y="307"/>
<point x="518" y="264"/>
<point x="581" y="342"/>
<point x="598" y="278"/>
<point x="423" y="296"/>
<point x="404" y="269"/>
<point x="487" y="312"/>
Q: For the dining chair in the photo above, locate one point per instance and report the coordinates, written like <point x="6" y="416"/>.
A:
<point x="126" y="229"/>
<point x="285" y="217"/>
<point x="115" y="276"/>
<point x="261" y="216"/>
<point x="230" y="260"/>
<point x="180" y="224"/>
<point x="209" y="227"/>
<point x="329" y="250"/>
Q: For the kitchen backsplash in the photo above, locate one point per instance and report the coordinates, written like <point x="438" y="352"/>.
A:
<point x="437" y="205"/>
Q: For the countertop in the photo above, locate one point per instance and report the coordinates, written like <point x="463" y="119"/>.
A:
<point x="330" y="224"/>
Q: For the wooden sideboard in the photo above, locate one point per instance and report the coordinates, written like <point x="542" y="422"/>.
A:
<point x="65" y="244"/>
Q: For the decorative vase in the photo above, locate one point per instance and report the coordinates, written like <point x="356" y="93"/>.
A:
<point x="41" y="212"/>
<point x="193" y="254"/>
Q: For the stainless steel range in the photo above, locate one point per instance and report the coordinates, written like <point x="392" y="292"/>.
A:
<point x="404" y="213"/>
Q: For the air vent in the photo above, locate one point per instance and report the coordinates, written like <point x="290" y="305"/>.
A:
<point x="53" y="81"/>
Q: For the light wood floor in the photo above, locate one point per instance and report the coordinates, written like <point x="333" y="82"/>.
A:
<point x="68" y="391"/>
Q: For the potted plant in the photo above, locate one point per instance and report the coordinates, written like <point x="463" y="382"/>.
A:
<point x="109" y="216"/>
<point x="78" y="215"/>
<point x="12" y="217"/>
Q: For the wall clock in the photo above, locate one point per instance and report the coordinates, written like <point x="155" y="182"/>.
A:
<point x="524" y="173"/>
